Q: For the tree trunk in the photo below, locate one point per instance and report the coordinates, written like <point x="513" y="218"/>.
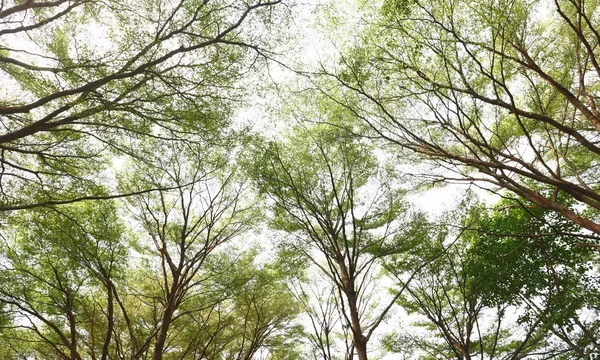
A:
<point x="360" y="344"/>
<point x="358" y="339"/>
<point x="161" y="339"/>
<point x="111" y="321"/>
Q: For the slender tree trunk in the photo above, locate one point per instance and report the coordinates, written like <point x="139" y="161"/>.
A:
<point x="358" y="339"/>
<point x="74" y="355"/>
<point x="161" y="339"/>
<point x="110" y="318"/>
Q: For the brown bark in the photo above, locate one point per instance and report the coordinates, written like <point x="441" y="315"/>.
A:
<point x="161" y="337"/>
<point x="358" y="338"/>
<point x="111" y="321"/>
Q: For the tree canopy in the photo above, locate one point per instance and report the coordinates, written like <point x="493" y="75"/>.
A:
<point x="238" y="180"/>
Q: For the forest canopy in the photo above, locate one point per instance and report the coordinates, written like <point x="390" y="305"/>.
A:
<point x="278" y="179"/>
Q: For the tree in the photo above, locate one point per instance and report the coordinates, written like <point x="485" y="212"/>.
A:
<point x="329" y="192"/>
<point x="240" y="310"/>
<point x="451" y="315"/>
<point x="513" y="284"/>
<point x="493" y="92"/>
<point x="320" y="305"/>
<point x="79" y="285"/>
<point x="85" y="82"/>
<point x="59" y="275"/>
<point x="203" y="211"/>
<point x="263" y="322"/>
<point x="550" y="276"/>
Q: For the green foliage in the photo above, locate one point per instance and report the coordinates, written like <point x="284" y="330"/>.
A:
<point x="537" y="243"/>
<point x="512" y="270"/>
<point x="137" y="99"/>
<point x="245" y="309"/>
<point x="86" y="83"/>
<point x="60" y="263"/>
<point x="531" y="254"/>
<point x="315" y="168"/>
<point x="396" y="9"/>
